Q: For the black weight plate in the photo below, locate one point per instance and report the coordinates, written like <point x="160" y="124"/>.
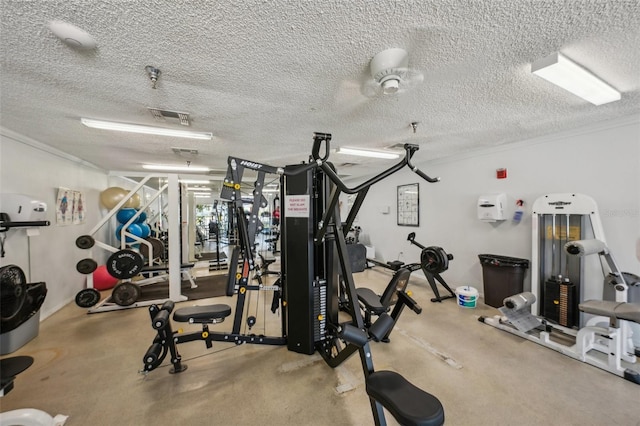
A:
<point x="434" y="260"/>
<point x="125" y="294"/>
<point x="87" y="298"/>
<point x="156" y="245"/>
<point x="85" y="241"/>
<point x="125" y="264"/>
<point x="86" y="266"/>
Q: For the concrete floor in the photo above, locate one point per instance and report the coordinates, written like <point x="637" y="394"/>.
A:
<point x="86" y="367"/>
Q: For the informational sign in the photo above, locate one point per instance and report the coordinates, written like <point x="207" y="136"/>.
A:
<point x="296" y="206"/>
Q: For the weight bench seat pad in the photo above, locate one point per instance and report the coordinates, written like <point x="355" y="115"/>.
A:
<point x="409" y="404"/>
<point x="202" y="313"/>
<point x="371" y="300"/>
<point x="616" y="310"/>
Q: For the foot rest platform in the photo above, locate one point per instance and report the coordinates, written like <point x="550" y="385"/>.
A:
<point x="409" y="404"/>
<point x="613" y="310"/>
<point x="202" y="314"/>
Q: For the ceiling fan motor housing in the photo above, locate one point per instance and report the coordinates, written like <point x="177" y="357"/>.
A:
<point x="388" y="68"/>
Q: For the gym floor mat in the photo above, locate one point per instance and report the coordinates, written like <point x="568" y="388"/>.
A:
<point x="209" y="286"/>
<point x="211" y="256"/>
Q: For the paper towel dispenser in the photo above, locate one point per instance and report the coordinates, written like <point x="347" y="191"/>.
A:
<point x="491" y="207"/>
<point x="22" y="208"/>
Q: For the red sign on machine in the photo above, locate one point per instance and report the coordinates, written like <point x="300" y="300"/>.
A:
<point x="296" y="206"/>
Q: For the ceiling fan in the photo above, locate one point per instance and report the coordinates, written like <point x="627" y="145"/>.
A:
<point x="388" y="73"/>
<point x="391" y="74"/>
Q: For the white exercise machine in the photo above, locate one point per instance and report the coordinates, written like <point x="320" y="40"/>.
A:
<point x="598" y="332"/>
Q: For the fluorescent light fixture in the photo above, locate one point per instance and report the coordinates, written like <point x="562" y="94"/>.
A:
<point x="199" y="189"/>
<point x="175" y="168"/>
<point x="136" y="128"/>
<point x="195" y="182"/>
<point x="368" y="153"/>
<point x="562" y="72"/>
<point x="202" y="195"/>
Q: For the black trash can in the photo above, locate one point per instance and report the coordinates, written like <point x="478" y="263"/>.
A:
<point x="502" y="276"/>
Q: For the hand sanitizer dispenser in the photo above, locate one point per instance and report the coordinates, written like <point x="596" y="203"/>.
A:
<point x="491" y="207"/>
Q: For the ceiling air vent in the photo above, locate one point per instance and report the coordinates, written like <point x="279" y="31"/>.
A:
<point x="172" y="116"/>
<point x="187" y="151"/>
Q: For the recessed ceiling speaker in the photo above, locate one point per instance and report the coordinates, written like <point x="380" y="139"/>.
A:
<point x="72" y="35"/>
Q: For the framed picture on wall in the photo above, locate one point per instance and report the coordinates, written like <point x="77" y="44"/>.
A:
<point x="409" y="205"/>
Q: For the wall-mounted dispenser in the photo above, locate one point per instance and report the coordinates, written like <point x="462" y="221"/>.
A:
<point x="491" y="207"/>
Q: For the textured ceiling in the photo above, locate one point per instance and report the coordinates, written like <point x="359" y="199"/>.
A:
<point x="263" y="75"/>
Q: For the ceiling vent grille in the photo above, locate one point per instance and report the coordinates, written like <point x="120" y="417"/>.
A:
<point x="182" y="151"/>
<point x="164" y="114"/>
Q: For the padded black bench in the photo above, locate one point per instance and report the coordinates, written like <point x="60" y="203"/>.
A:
<point x="377" y="305"/>
<point x="206" y="314"/>
<point x="9" y="369"/>
<point x="409" y="405"/>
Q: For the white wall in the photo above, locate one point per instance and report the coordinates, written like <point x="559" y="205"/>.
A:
<point x="602" y="162"/>
<point x="28" y="167"/>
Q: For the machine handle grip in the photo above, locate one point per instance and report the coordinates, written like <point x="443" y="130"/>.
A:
<point x="26" y="224"/>
<point x="410" y="149"/>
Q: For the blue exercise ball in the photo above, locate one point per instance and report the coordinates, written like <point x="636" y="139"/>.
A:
<point x="132" y="229"/>
<point x="146" y="230"/>
<point x="142" y="218"/>
<point x="124" y="215"/>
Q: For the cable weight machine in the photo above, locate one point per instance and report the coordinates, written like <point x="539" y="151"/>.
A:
<point x="314" y="260"/>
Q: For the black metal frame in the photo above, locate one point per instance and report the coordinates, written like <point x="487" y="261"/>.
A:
<point x="329" y="252"/>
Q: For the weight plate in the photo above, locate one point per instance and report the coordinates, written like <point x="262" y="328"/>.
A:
<point x="85" y="241"/>
<point x="434" y="260"/>
<point x="87" y="298"/>
<point x="86" y="266"/>
<point x="156" y="245"/>
<point x="125" y="264"/>
<point x="125" y="294"/>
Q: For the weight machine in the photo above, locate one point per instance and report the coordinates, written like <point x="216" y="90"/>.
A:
<point x="314" y="260"/>
<point x="566" y="290"/>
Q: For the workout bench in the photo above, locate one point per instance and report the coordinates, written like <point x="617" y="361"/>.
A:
<point x="166" y="339"/>
<point x="126" y="294"/>
<point x="394" y="294"/>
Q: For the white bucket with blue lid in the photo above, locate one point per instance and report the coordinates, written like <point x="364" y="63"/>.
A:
<point x="467" y="296"/>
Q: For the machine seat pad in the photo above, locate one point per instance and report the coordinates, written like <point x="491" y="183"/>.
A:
<point x="202" y="313"/>
<point x="619" y="310"/>
<point x="12" y="366"/>
<point x="409" y="404"/>
<point x="370" y="300"/>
